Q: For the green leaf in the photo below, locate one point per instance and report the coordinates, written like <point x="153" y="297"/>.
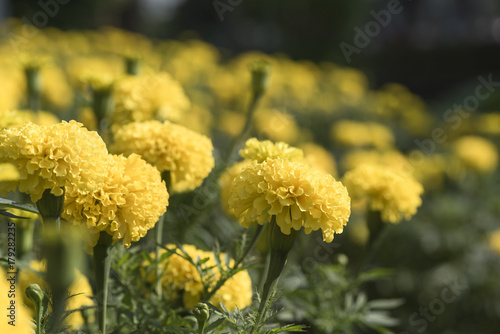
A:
<point x="213" y="325"/>
<point x="7" y="203"/>
<point x="386" y="303"/>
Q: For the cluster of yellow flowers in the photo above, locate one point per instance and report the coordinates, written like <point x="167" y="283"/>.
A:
<point x="181" y="277"/>
<point x="391" y="192"/>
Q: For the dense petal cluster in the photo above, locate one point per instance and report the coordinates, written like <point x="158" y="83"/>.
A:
<point x="126" y="205"/>
<point x="187" y="155"/>
<point x="180" y="276"/>
<point x="261" y="150"/>
<point x="52" y="157"/>
<point x="80" y="291"/>
<point x="476" y="153"/>
<point x="296" y="193"/>
<point x="395" y="194"/>
<point x="148" y="97"/>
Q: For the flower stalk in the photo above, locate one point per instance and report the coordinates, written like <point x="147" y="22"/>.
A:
<point x="159" y="236"/>
<point x="280" y="245"/>
<point x="50" y="207"/>
<point x="33" y="86"/>
<point x="102" y="266"/>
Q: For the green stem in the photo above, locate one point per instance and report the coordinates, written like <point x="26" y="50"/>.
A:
<point x="33" y="85"/>
<point x="375" y="227"/>
<point x="280" y="245"/>
<point x="102" y="266"/>
<point x="159" y="242"/>
<point x="25" y="232"/>
<point x="246" y="129"/>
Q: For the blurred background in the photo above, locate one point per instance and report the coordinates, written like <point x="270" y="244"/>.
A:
<point x="431" y="46"/>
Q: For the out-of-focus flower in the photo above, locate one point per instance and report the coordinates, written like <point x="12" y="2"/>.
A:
<point x="255" y="149"/>
<point x="126" y="205"/>
<point x="52" y="157"/>
<point x="231" y="123"/>
<point x="187" y="155"/>
<point x="494" y="241"/>
<point x="319" y="157"/>
<point x="151" y="96"/>
<point x="297" y="194"/>
<point x="358" y="134"/>
<point x="276" y="125"/>
<point x="394" y="194"/>
<point x="488" y="123"/>
<point x="15" y="319"/>
<point x="181" y="277"/>
<point x="476" y="153"/>
<point x="390" y="158"/>
<point x="8" y="172"/>
<point x="56" y="91"/>
<point x="14" y="118"/>
<point x="80" y="291"/>
<point x="225" y="182"/>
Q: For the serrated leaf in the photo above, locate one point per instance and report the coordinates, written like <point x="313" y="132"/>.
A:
<point x="213" y="325"/>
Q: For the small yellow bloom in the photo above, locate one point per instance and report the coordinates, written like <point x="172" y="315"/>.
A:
<point x="261" y="150"/>
<point x="494" y="241"/>
<point x="395" y="194"/>
<point x="169" y="147"/>
<point x="297" y="194"/>
<point x="225" y="182"/>
<point x="180" y="276"/>
<point x="476" y="153"/>
<point x="319" y="157"/>
<point x="358" y="134"/>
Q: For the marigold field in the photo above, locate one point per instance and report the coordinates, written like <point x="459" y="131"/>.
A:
<point x="160" y="186"/>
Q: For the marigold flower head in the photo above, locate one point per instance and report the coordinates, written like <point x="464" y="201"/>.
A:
<point x="395" y="194"/>
<point x="52" y="157"/>
<point x="276" y="125"/>
<point x="126" y="205"/>
<point x="297" y="194"/>
<point x="148" y="97"/>
<point x="476" y="153"/>
<point x="169" y="147"/>
<point x="261" y="150"/>
<point x="80" y="291"/>
<point x="180" y="276"/>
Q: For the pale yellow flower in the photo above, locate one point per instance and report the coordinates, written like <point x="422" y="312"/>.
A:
<point x="358" y="134"/>
<point x="21" y="321"/>
<point x="255" y="149"/>
<point x="187" y="155"/>
<point x="494" y="241"/>
<point x="276" y="125"/>
<point x="394" y="194"/>
<point x="476" y="153"/>
<point x="319" y="157"/>
<point x="52" y="157"/>
<point x="126" y="205"/>
<point x="180" y="276"/>
<point x="297" y="194"/>
<point x="225" y="183"/>
<point x="80" y="290"/>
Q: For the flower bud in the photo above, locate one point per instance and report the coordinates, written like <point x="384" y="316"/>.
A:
<point x="261" y="71"/>
<point x="201" y="313"/>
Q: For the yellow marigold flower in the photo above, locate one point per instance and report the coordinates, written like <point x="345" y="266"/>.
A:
<point x="488" y="123"/>
<point x="297" y="194"/>
<point x="169" y="147"/>
<point x="180" y="276"/>
<point x="357" y="134"/>
<point x="395" y="194"/>
<point x="126" y="205"/>
<point x="319" y="157"/>
<point x="276" y="125"/>
<point x="52" y="157"/>
<point x="389" y="158"/>
<point x="80" y="290"/>
<point x="18" y="320"/>
<point x="476" y="153"/>
<point x="225" y="182"/>
<point x="261" y="150"/>
<point x="231" y="123"/>
<point x="494" y="241"/>
<point x="8" y="172"/>
<point x="148" y="97"/>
